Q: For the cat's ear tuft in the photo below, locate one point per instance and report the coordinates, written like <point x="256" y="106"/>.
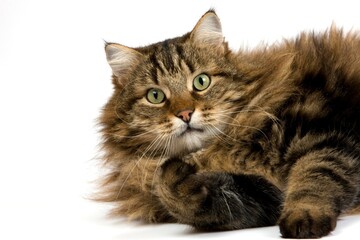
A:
<point x="121" y="59"/>
<point x="208" y="31"/>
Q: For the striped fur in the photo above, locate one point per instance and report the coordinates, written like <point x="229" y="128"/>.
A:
<point x="274" y="139"/>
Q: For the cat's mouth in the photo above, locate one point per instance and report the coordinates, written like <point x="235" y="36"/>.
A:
<point x="189" y="138"/>
<point x="190" y="130"/>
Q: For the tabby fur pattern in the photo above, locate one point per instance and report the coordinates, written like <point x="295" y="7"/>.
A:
<point x="274" y="138"/>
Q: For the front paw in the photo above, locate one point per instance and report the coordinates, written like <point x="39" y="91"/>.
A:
<point x="189" y="196"/>
<point x="173" y="171"/>
<point x="178" y="179"/>
<point x="201" y="199"/>
<point x="306" y="222"/>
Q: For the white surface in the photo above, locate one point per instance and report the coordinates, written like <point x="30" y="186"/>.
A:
<point x="54" y="79"/>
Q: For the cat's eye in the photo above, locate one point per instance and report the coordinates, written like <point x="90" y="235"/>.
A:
<point x="155" y="96"/>
<point x="201" y="82"/>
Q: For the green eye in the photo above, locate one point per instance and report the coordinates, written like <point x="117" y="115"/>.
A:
<point x="201" y="82"/>
<point x="155" y="96"/>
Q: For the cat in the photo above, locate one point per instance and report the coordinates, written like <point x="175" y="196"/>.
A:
<point x="196" y="133"/>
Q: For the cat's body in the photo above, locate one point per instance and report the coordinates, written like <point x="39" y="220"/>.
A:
<point x="197" y="134"/>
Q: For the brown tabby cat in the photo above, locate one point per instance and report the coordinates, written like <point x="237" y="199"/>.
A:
<point x="197" y="134"/>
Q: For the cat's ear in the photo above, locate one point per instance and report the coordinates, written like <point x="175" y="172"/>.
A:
<point x="207" y="31"/>
<point x="121" y="59"/>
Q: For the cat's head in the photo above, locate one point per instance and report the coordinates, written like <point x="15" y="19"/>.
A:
<point x="171" y="97"/>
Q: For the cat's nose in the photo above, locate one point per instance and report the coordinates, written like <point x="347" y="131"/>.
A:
<point x="185" y="115"/>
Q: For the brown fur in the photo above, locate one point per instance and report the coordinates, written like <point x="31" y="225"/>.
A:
<point x="287" y="113"/>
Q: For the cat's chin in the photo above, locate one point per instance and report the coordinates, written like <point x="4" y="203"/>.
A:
<point x="189" y="141"/>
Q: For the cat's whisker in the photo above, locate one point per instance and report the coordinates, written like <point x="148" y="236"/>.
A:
<point x="136" y="164"/>
<point x="152" y="142"/>
<point x="215" y="133"/>
<point x="243" y="108"/>
<point x="165" y="152"/>
<point x="144" y="130"/>
<point x="138" y="135"/>
<point x="222" y="133"/>
<point x="154" y="146"/>
<point x="275" y="120"/>
<point x="160" y="143"/>
<point x="244" y="126"/>
<point x="124" y="182"/>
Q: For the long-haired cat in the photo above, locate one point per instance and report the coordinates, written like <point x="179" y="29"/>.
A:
<point x="198" y="134"/>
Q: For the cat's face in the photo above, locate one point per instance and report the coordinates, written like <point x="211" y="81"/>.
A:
<point x="172" y="97"/>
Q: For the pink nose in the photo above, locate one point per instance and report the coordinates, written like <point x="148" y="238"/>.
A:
<point x="185" y="115"/>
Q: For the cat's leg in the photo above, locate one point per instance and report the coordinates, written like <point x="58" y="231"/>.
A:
<point x="321" y="185"/>
<point x="217" y="201"/>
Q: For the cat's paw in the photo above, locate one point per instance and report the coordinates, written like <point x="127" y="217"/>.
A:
<point x="178" y="179"/>
<point x="182" y="190"/>
<point x="215" y="200"/>
<point x="306" y="222"/>
<point x="174" y="170"/>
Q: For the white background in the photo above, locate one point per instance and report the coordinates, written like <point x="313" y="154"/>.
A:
<point x="54" y="80"/>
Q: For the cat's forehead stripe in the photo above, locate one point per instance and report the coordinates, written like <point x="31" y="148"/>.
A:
<point x="163" y="61"/>
<point x="167" y="55"/>
<point x="181" y="54"/>
<point x="155" y="68"/>
<point x="169" y="58"/>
